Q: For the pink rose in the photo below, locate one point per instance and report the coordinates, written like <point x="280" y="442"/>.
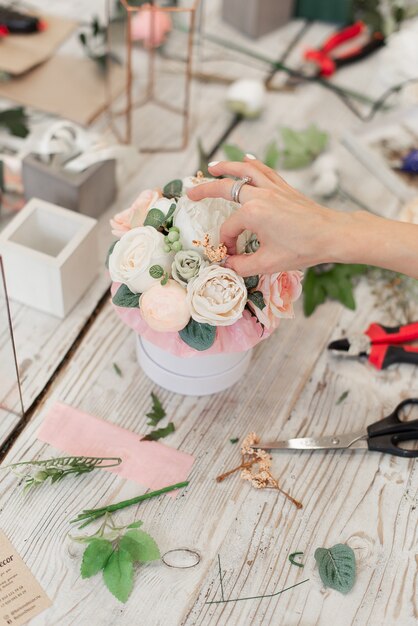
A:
<point x="150" y="25"/>
<point x="135" y="216"/>
<point x="279" y="292"/>
<point x="164" y="307"/>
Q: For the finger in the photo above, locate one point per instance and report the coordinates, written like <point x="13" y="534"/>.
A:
<point x="231" y="230"/>
<point x="246" y="264"/>
<point x="222" y="189"/>
<point x="268" y="172"/>
<point x="239" y="170"/>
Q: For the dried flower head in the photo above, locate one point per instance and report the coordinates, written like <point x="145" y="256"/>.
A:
<point x="250" y="440"/>
<point x="214" y="254"/>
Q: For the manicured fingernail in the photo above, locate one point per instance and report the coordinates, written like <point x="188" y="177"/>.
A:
<point x="212" y="163"/>
<point x="250" y="156"/>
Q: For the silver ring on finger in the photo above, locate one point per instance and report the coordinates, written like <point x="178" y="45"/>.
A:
<point x="237" y="186"/>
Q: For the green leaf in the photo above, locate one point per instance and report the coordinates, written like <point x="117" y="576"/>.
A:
<point x="165" y="278"/>
<point x="118" y="574"/>
<point x="126" y="298"/>
<point x="83" y="39"/>
<point x="234" y="440"/>
<point x="109" y="252"/>
<point x="232" y="152"/>
<point x="337" y="567"/>
<point x="156" y="271"/>
<point x="95" y="557"/>
<point x="173" y="189"/>
<point x="313" y="292"/>
<point x="117" y="369"/>
<point x="251" y="282"/>
<point x="135" y="524"/>
<point x="160" y="433"/>
<point x="170" y="212"/>
<point x="272" y="155"/>
<point x="154" y="218"/>
<point x="256" y="297"/>
<point x="198" y="336"/>
<point x="157" y="412"/>
<point x="15" y="120"/>
<point x="342" y="397"/>
<point x="300" y="148"/>
<point x="140" y="545"/>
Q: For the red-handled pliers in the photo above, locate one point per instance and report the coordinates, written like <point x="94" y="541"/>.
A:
<point x="320" y="61"/>
<point x="383" y="345"/>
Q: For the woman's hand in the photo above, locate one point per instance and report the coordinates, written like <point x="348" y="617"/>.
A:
<point x="295" y="232"/>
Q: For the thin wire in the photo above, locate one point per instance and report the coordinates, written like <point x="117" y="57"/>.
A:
<point x="220" y="578"/>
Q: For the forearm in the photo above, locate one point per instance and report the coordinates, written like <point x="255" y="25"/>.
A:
<point x="366" y="238"/>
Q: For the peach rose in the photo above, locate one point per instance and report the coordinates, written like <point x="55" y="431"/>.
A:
<point x="151" y="26"/>
<point x="135" y="216"/>
<point x="279" y="292"/>
<point x="164" y="307"/>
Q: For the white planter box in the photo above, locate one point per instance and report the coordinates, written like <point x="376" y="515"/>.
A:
<point x="50" y="256"/>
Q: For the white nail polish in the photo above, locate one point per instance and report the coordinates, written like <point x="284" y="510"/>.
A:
<point x="250" y="156"/>
<point x="212" y="163"/>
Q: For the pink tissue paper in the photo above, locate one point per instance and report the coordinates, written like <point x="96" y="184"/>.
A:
<point x="149" y="463"/>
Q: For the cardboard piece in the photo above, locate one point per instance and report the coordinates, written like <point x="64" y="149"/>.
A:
<point x="20" y="53"/>
<point x="66" y="86"/>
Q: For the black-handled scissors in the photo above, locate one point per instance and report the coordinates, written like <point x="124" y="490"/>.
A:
<point x="382" y="436"/>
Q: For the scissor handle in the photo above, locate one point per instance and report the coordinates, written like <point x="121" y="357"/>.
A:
<point x="393" y="424"/>
<point x="389" y="444"/>
<point x="378" y="333"/>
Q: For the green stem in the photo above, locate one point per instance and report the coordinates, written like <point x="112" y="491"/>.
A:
<point x="92" y="514"/>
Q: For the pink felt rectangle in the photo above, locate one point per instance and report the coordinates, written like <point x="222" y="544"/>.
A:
<point x="149" y="463"/>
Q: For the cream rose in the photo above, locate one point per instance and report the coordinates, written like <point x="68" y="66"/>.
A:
<point x="279" y="293"/>
<point x="135" y="216"/>
<point x="165" y="307"/>
<point x="186" y="265"/>
<point x="134" y="254"/>
<point x="217" y="296"/>
<point x="196" y="219"/>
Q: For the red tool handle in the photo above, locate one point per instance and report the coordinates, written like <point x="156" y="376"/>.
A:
<point x="345" y="34"/>
<point x="392" y="334"/>
<point x="381" y="355"/>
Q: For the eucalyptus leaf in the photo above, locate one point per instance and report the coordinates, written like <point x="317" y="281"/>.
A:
<point x="256" y="297"/>
<point x="232" y="152"/>
<point x="126" y="298"/>
<point x="251" y="282"/>
<point x="198" y="336"/>
<point x="141" y="546"/>
<point x="155" y="218"/>
<point x="300" y="148"/>
<point x="156" y="271"/>
<point x="173" y="189"/>
<point x="337" y="567"/>
<point x="118" y="574"/>
<point x="109" y="252"/>
<point x="95" y="557"/>
<point x="170" y="212"/>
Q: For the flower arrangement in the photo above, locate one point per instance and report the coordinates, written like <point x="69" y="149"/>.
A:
<point x="170" y="282"/>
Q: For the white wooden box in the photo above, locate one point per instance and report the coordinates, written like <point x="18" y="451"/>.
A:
<point x="50" y="256"/>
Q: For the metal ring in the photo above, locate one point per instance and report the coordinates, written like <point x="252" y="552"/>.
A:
<point x="195" y="553"/>
<point x="237" y="186"/>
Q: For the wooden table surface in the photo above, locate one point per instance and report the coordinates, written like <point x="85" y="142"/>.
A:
<point x="292" y="388"/>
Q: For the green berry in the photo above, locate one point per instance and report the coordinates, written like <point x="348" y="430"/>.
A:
<point x="166" y="239"/>
<point x="176" y="246"/>
<point x="167" y="248"/>
<point x="177" y="230"/>
<point x="173" y="236"/>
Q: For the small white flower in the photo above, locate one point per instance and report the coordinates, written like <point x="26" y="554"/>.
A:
<point x="134" y="254"/>
<point x="217" y="296"/>
<point x="195" y="219"/>
<point x="246" y="97"/>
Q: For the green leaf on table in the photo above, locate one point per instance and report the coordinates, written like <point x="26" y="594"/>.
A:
<point x="157" y="412"/>
<point x="140" y="545"/>
<point x="109" y="252"/>
<point x="155" y="218"/>
<point x="126" y="298"/>
<point x="95" y="557"/>
<point x="198" y="336"/>
<point x="15" y="121"/>
<point x="337" y="567"/>
<point x="251" y="282"/>
<point x="156" y="271"/>
<point x="272" y="155"/>
<point x="135" y="524"/>
<point x="342" y="397"/>
<point x="300" y="148"/>
<point x="173" y="189"/>
<point x="234" y="440"/>
<point x="232" y="152"/>
<point x="160" y="433"/>
<point x="118" y="574"/>
<point x="117" y="369"/>
<point x="257" y="298"/>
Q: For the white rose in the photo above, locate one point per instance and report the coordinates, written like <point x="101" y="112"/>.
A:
<point x="134" y="254"/>
<point x="196" y="219"/>
<point x="246" y="96"/>
<point x="217" y="296"/>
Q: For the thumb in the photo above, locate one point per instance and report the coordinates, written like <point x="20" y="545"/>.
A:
<point x="246" y="264"/>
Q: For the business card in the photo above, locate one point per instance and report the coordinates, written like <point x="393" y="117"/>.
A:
<point x="21" y="596"/>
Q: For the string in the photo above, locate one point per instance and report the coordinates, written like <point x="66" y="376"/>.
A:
<point x="267" y="595"/>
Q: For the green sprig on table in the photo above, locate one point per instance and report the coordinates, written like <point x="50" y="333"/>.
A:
<point x="155" y="416"/>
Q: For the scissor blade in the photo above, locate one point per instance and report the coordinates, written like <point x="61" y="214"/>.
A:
<point x="337" y="442"/>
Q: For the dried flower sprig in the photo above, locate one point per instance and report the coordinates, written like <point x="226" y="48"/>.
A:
<point x="256" y="467"/>
<point x="34" y="473"/>
<point x="215" y="255"/>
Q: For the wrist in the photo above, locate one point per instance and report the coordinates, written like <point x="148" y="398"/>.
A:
<point x="352" y="237"/>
